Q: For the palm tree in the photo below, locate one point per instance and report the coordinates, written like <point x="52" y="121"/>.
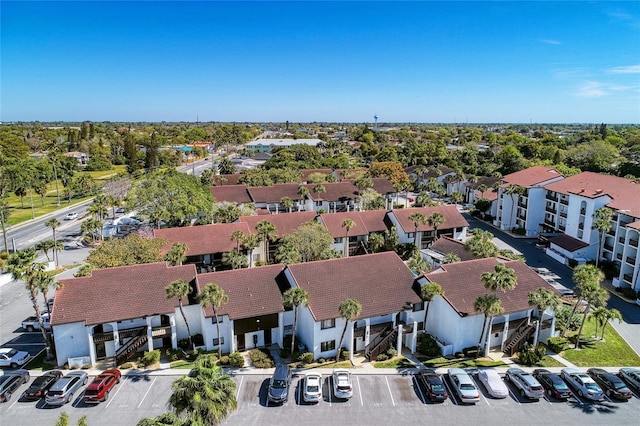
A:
<point x="585" y="276"/>
<point x="22" y="266"/>
<point x="375" y="241"/>
<point x="177" y="254"/>
<point x="513" y="191"/>
<point x="213" y="295"/>
<point x="594" y="295"/>
<point x="205" y="397"/>
<point x="348" y="310"/>
<point x="287" y="203"/>
<point x="490" y="306"/>
<point x="267" y="232"/>
<point x="481" y="244"/>
<point x="249" y="243"/>
<point x="450" y="258"/>
<point x="165" y="419"/>
<point x="502" y="278"/>
<point x="234" y="259"/>
<point x="295" y="297"/>
<point x="417" y="218"/>
<point x="601" y="223"/>
<point x="347" y="224"/>
<point x="303" y="192"/>
<point x="610" y="314"/>
<point x="417" y="264"/>
<point x="542" y="299"/>
<point x="456" y="197"/>
<point x="428" y="292"/>
<point x="482" y="188"/>
<point x="54" y="223"/>
<point x="287" y="254"/>
<point x="99" y="211"/>
<point x="44" y="247"/>
<point x="180" y="289"/>
<point x="237" y="236"/>
<point x="435" y="220"/>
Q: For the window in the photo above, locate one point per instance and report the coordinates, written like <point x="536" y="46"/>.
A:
<point x="328" y="345"/>
<point x="219" y="341"/>
<point x="418" y="306"/>
<point x="213" y="320"/>
<point x="411" y="235"/>
<point x="421" y="325"/>
<point x="319" y="203"/>
<point x="330" y="323"/>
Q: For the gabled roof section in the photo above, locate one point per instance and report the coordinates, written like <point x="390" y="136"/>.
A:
<point x="429" y="171"/>
<point x="252" y="292"/>
<point x="462" y="284"/>
<point x="452" y="218"/>
<point x="232" y="193"/>
<point x="285" y="223"/>
<point x="274" y="193"/>
<point x="221" y="180"/>
<point x="333" y="222"/>
<point x="624" y="193"/>
<point x="336" y="191"/>
<point x="374" y="220"/>
<point x="121" y="293"/>
<point x="568" y="243"/>
<point x="204" y="239"/>
<point x="381" y="185"/>
<point x="446" y="245"/>
<point x="489" y="181"/>
<point x="380" y="282"/>
<point x="536" y="175"/>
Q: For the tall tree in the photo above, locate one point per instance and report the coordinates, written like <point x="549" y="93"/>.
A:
<point x="457" y="197"/>
<point x="176" y="254"/>
<point x="502" y="279"/>
<point x="295" y="297"/>
<point x="348" y="310"/>
<point x="54" y="223"/>
<point x="287" y="203"/>
<point x="450" y="258"/>
<point x="213" y="295"/>
<point x="179" y="289"/>
<point x="594" y="295"/>
<point x="586" y="277"/>
<point x="267" y="232"/>
<point x="428" y="292"/>
<point x="435" y="220"/>
<point x="542" y="299"/>
<point x="490" y="306"/>
<point x="4" y="217"/>
<point x="237" y="236"/>
<point x="481" y="244"/>
<point x="235" y="259"/>
<point x="347" y="224"/>
<point x="513" y="191"/>
<point x="417" y="218"/>
<point x="610" y="314"/>
<point x="601" y="223"/>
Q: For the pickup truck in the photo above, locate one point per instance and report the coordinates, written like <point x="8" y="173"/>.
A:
<point x="31" y="323"/>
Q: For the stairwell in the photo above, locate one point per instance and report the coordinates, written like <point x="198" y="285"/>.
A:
<point x="519" y="337"/>
<point x="130" y="348"/>
<point x="380" y="344"/>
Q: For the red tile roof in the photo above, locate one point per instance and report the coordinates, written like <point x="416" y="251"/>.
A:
<point x="121" y="293"/>
<point x="380" y="282"/>
<point x="338" y="191"/>
<point x="462" y="284"/>
<point x="204" y="239"/>
<point x="333" y="222"/>
<point x="374" y="220"/>
<point x="221" y="180"/>
<point x="568" y="243"/>
<point x="285" y="223"/>
<point x="252" y="292"/>
<point x="233" y="193"/>
<point x="624" y="193"/>
<point x="274" y="193"/>
<point x="452" y="218"/>
<point x="381" y="185"/>
<point x="446" y="245"/>
<point x="531" y="176"/>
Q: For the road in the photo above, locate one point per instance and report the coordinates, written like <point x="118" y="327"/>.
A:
<point x="199" y="166"/>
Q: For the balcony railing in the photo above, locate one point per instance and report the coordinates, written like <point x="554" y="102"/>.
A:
<point x="563" y="214"/>
<point x="621" y="240"/>
<point x="562" y="228"/>
<point x="582" y="211"/>
<point x="550" y="209"/>
<point x="522" y="204"/>
<point x="619" y="256"/>
<point x="611" y="231"/>
<point x="631" y="260"/>
<point x="628" y="278"/>
<point x="633" y="243"/>
<point x="550" y="222"/>
<point x="552" y="197"/>
<point x="608" y="247"/>
<point x="565" y="202"/>
<point x="161" y="331"/>
<point x="581" y="226"/>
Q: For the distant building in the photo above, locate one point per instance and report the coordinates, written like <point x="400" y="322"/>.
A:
<point x="267" y="145"/>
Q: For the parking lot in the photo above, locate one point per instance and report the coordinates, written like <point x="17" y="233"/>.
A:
<point x="377" y="399"/>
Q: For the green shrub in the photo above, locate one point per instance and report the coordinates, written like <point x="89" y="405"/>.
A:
<point x="572" y="263"/>
<point x="175" y="354"/>
<point x="236" y="359"/>
<point x="126" y="366"/>
<point x="459" y="355"/>
<point x="295" y="356"/>
<point x="557" y="344"/>
<point x="321" y="360"/>
<point x="150" y="358"/>
<point x="344" y="354"/>
<point x="519" y="231"/>
<point x="629" y="293"/>
<point x="306" y="358"/>
<point x="87" y="366"/>
<point x="529" y="356"/>
<point x="224" y="360"/>
<point x="427" y="346"/>
<point x="392" y="352"/>
<point x="382" y="357"/>
<point x="260" y="359"/>
<point x="470" y="352"/>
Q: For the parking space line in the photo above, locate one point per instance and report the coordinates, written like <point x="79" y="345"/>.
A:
<point x="147" y="392"/>
<point x="513" y="395"/>
<point x="114" y="395"/>
<point x="390" y="393"/>
<point x="239" y="387"/>
<point x="479" y="386"/>
<point x="446" y="385"/>
<point x="422" y="397"/>
<point x="360" y="391"/>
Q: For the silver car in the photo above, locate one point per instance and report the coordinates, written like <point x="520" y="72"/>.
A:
<point x="584" y="385"/>
<point x="464" y="386"/>
<point x="493" y="383"/>
<point x="528" y="386"/>
<point x="63" y="390"/>
<point x="312" y="391"/>
<point x="342" y="387"/>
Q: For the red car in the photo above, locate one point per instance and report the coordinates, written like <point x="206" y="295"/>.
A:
<point x="98" y="389"/>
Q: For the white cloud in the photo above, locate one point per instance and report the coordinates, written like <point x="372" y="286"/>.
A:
<point x="591" y="89"/>
<point x="550" y="41"/>
<point x="629" y="69"/>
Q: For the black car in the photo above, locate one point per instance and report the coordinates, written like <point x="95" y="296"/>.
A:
<point x="41" y="385"/>
<point x="11" y="382"/>
<point x="552" y="383"/>
<point x="278" y="391"/>
<point x="612" y="385"/>
<point x="432" y="384"/>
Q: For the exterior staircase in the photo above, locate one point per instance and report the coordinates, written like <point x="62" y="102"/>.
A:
<point x="519" y="337"/>
<point x="126" y="351"/>
<point x="380" y="343"/>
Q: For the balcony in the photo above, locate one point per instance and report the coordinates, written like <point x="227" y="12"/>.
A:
<point x="563" y="214"/>
<point x="562" y="228"/>
<point x="631" y="260"/>
<point x="565" y="202"/>
<point x="522" y="216"/>
<point x="582" y="211"/>
<point x="552" y="197"/>
<point x="619" y="256"/>
<point x="581" y="226"/>
<point x="608" y="247"/>
<point x="633" y="243"/>
<point x="621" y="240"/>
<point x="628" y="278"/>
<point x="550" y="222"/>
<point x="550" y="209"/>
<point x="611" y="232"/>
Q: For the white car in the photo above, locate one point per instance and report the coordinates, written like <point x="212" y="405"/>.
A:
<point x="464" y="386"/>
<point x="584" y="385"/>
<point x="13" y="358"/>
<point x="631" y="376"/>
<point x="493" y="383"/>
<point x="342" y="387"/>
<point x="312" y="391"/>
<point x="71" y="216"/>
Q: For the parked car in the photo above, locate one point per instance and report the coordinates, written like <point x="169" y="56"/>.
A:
<point x="13" y="358"/>
<point x="42" y="384"/>
<point x="464" y="386"/>
<point x="583" y="384"/>
<point x="279" y="385"/>
<point x="612" y="385"/>
<point x="98" y="390"/>
<point x="71" y="216"/>
<point x="432" y="384"/>
<point x="63" y="390"/>
<point x="552" y="383"/>
<point x="31" y="323"/>
<point x="312" y="391"/>
<point x="342" y="387"/>
<point x="631" y="376"/>
<point x="12" y="381"/>
<point x="528" y="386"/>
<point x="493" y="383"/>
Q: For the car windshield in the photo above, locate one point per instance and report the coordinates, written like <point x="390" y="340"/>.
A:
<point x="561" y="385"/>
<point x="55" y="392"/>
<point x="591" y="386"/>
<point x="279" y="384"/>
<point x="344" y="387"/>
<point x="312" y="388"/>
<point x="619" y="385"/>
<point x="437" y="387"/>
<point x="91" y="392"/>
<point x="11" y="353"/>
<point x="467" y="386"/>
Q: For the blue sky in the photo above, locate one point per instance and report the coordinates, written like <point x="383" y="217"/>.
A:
<point x="475" y="62"/>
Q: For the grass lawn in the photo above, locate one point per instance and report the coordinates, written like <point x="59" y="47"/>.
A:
<point x="612" y="352"/>
<point x="442" y="362"/>
<point x="397" y="362"/>
<point x="39" y="363"/>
